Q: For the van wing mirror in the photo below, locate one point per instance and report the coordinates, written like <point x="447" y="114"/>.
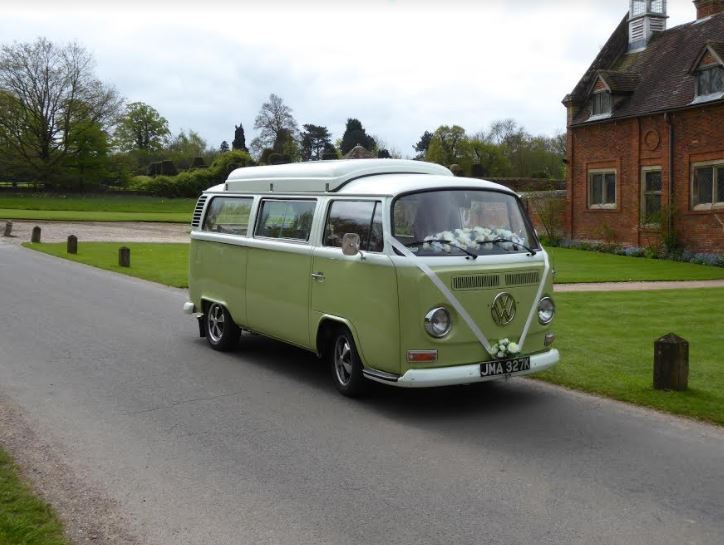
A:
<point x="350" y="244"/>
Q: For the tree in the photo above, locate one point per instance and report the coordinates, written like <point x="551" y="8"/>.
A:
<point x="48" y="93"/>
<point x="184" y="148"/>
<point x="447" y="145"/>
<point x="422" y="145"/>
<point x="315" y="140"/>
<point x="355" y="134"/>
<point x="224" y="147"/>
<point x="141" y="128"/>
<point x="273" y="118"/>
<point x="239" y="142"/>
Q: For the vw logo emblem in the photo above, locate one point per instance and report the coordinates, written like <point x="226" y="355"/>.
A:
<point x="503" y="309"/>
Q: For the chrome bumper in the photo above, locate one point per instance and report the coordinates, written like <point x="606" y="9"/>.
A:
<point x="463" y="374"/>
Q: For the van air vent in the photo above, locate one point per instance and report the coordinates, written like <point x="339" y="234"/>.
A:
<point x="196" y="221"/>
<point x="522" y="278"/>
<point x="475" y="282"/>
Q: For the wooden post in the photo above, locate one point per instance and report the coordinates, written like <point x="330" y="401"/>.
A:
<point x="124" y="257"/>
<point x="72" y="244"/>
<point x="8" y="229"/>
<point x="671" y="363"/>
<point x="35" y="237"/>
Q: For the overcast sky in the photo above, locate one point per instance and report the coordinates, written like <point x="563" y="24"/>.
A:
<point x="400" y="66"/>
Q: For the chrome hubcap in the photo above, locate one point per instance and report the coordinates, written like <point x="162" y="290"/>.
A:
<point x="216" y="322"/>
<point x="343" y="360"/>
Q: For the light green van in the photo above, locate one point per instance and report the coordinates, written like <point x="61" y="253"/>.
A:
<point x="395" y="271"/>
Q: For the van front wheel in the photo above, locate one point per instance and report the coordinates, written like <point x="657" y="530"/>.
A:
<point x="221" y="331"/>
<point x="346" y="364"/>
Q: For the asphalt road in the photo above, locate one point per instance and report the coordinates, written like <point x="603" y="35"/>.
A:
<point x="198" y="447"/>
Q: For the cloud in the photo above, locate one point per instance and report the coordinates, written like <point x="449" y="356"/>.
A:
<point x="400" y="66"/>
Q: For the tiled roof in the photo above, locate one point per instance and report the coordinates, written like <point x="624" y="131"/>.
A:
<point x="659" y="78"/>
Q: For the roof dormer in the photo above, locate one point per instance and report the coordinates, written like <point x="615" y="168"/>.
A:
<point x="608" y="89"/>
<point x="708" y="68"/>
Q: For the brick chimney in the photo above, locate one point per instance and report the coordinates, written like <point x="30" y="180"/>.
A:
<point x="704" y="8"/>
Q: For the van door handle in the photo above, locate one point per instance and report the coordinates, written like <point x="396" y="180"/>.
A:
<point x="318" y="276"/>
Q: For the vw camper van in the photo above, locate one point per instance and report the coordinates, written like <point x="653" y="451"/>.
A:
<point x="394" y="271"/>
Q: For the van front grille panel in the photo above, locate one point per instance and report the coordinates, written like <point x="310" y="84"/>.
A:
<point x="198" y="211"/>
<point x="522" y="278"/>
<point x="476" y="282"/>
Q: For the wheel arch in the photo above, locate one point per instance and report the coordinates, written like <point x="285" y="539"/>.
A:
<point x="326" y="325"/>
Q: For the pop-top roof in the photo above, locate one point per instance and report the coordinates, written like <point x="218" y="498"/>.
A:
<point x="319" y="176"/>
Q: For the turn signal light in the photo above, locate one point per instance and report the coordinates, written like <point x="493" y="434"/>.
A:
<point x="421" y="356"/>
<point x="550" y="337"/>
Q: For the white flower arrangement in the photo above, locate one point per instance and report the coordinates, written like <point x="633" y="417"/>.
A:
<point x="472" y="239"/>
<point x="505" y="348"/>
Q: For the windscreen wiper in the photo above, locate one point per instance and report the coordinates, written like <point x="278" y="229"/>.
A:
<point x="499" y="241"/>
<point x="442" y="241"/>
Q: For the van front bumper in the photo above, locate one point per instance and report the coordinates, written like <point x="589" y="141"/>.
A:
<point x="463" y="374"/>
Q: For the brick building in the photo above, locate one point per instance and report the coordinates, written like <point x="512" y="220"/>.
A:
<point x="646" y="133"/>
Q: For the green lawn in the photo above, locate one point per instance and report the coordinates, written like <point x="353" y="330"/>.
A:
<point x="607" y="347"/>
<point x="162" y="263"/>
<point x="41" y="206"/>
<point x="575" y="266"/>
<point x="24" y="518"/>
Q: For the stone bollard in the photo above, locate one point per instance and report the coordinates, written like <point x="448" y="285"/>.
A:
<point x="72" y="244"/>
<point x="8" y="229"/>
<point x="671" y="363"/>
<point x="35" y="237"/>
<point x="124" y="257"/>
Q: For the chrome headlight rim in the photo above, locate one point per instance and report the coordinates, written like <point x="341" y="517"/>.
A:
<point x="541" y="313"/>
<point x="429" y="323"/>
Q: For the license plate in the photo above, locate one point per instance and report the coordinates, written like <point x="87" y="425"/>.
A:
<point x="504" y="367"/>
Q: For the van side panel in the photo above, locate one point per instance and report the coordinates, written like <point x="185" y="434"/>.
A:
<point x="363" y="292"/>
<point x="217" y="272"/>
<point x="277" y="290"/>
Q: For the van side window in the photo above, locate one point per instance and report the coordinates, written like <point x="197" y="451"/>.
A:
<point x="285" y="219"/>
<point x="361" y="217"/>
<point x="228" y="215"/>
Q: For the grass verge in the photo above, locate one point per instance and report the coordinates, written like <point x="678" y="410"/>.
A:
<point x="576" y="266"/>
<point x="52" y="207"/>
<point x="24" y="518"/>
<point x="607" y="347"/>
<point x="162" y="263"/>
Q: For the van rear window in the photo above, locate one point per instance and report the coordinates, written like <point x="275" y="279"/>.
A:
<point x="229" y="215"/>
<point x="285" y="219"/>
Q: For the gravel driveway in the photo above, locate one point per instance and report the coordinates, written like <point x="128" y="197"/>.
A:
<point x="58" y="231"/>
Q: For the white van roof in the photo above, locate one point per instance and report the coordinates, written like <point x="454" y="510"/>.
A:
<point x="321" y="176"/>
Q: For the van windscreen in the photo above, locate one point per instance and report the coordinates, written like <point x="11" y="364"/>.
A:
<point x="439" y="223"/>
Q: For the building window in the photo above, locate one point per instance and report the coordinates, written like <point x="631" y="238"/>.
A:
<point x="601" y="103"/>
<point x="707" y="186"/>
<point x="602" y="189"/>
<point x="710" y="81"/>
<point x="651" y="196"/>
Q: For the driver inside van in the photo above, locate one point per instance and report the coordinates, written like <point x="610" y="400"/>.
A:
<point x="436" y="212"/>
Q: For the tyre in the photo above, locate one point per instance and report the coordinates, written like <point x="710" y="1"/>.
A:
<point x="221" y="331"/>
<point x="345" y="364"/>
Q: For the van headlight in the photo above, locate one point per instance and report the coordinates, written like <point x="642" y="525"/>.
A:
<point x="546" y="310"/>
<point x="438" y="322"/>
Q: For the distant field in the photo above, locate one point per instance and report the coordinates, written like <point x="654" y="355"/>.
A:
<point x="575" y="266"/>
<point x="52" y="207"/>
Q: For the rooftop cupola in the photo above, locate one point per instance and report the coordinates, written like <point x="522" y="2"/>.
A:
<point x="644" y="18"/>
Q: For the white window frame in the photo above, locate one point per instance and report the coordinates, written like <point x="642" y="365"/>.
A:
<point x="705" y="69"/>
<point x="602" y="206"/>
<point x="644" y="171"/>
<point x="717" y="200"/>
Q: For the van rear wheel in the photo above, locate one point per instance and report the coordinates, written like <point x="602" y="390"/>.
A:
<point x="221" y="331"/>
<point x="345" y="364"/>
